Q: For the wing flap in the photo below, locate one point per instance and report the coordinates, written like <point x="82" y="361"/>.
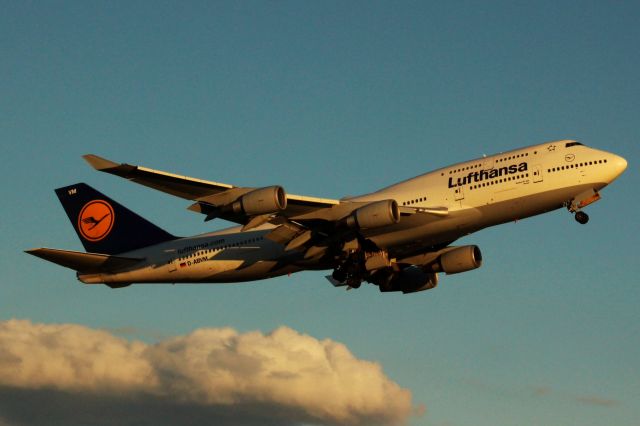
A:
<point x="83" y="262"/>
<point x="284" y="233"/>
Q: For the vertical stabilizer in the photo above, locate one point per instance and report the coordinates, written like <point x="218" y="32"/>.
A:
<point x="103" y="225"/>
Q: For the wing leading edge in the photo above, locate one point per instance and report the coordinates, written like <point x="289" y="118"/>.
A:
<point x="207" y="195"/>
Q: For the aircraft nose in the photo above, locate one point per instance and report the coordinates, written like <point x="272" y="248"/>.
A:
<point x="620" y="164"/>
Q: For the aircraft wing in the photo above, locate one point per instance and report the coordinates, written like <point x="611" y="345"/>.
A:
<point x="310" y="224"/>
<point x="208" y="195"/>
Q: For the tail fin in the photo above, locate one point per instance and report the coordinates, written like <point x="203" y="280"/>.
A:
<point x="105" y="226"/>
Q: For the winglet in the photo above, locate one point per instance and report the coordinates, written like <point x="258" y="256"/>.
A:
<point x="99" y="163"/>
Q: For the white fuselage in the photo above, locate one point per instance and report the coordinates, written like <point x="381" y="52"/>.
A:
<point x="475" y="194"/>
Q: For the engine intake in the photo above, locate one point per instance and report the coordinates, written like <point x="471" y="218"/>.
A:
<point x="374" y="215"/>
<point x="266" y="200"/>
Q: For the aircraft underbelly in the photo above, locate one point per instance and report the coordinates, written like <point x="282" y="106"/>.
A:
<point x="509" y="207"/>
<point x="531" y="205"/>
<point x="256" y="271"/>
<point x="423" y="230"/>
<point x="206" y="272"/>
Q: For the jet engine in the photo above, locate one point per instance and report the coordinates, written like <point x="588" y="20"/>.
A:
<point x="260" y="201"/>
<point x="409" y="280"/>
<point x="374" y="215"/>
<point x="460" y="259"/>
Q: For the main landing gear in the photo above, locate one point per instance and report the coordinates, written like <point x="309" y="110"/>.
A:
<point x="348" y="273"/>
<point x="582" y="217"/>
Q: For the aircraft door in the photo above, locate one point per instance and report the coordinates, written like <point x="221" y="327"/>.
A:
<point x="458" y="193"/>
<point x="537" y="173"/>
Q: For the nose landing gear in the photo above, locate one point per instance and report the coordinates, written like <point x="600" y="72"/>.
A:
<point x="582" y="217"/>
<point x="579" y="202"/>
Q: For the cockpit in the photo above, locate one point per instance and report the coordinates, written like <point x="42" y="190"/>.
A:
<point x="568" y="144"/>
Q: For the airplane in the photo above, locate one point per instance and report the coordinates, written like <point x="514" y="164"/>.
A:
<point x="398" y="238"/>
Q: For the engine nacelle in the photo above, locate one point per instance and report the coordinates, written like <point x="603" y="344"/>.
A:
<point x="461" y="259"/>
<point x="409" y="280"/>
<point x="266" y="200"/>
<point x="374" y="215"/>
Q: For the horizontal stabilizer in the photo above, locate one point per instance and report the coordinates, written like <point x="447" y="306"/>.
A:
<point x="83" y="262"/>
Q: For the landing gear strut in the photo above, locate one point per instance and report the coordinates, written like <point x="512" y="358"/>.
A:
<point x="582" y="217"/>
<point x="347" y="273"/>
<point x="582" y="200"/>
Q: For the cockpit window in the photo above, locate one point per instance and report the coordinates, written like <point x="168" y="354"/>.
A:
<point x="572" y="144"/>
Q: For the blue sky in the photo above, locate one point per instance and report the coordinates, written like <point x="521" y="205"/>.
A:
<point x="332" y="99"/>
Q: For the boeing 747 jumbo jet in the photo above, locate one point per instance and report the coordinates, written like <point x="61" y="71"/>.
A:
<point x="398" y="238"/>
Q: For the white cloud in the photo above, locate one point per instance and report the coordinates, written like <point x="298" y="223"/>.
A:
<point x="312" y="380"/>
<point x="4" y="422"/>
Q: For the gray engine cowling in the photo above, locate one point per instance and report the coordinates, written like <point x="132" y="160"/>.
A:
<point x="266" y="200"/>
<point x="461" y="259"/>
<point x="409" y="280"/>
<point x="374" y="215"/>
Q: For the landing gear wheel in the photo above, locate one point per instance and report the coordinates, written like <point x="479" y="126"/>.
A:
<point x="354" y="283"/>
<point x="582" y="217"/>
<point x="339" y="275"/>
